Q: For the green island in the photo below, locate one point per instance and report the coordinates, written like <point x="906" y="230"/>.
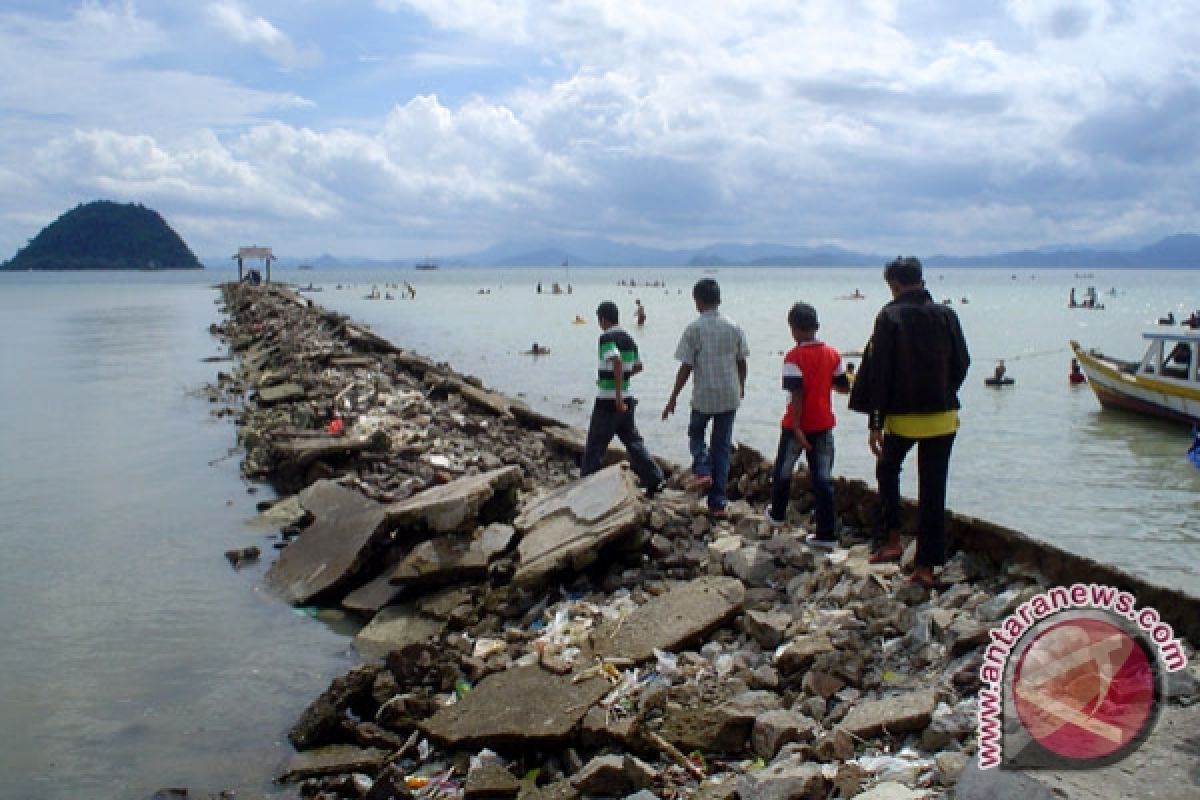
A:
<point x="103" y="235"/>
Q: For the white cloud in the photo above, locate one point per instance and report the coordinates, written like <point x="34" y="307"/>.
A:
<point x="229" y="17"/>
<point x="876" y="124"/>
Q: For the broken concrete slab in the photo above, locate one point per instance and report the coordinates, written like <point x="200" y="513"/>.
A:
<point x="525" y="706"/>
<point x="301" y="451"/>
<point x="395" y="627"/>
<point x="347" y="530"/>
<point x="281" y="393"/>
<point x="494" y="402"/>
<point x="682" y="614"/>
<point x="454" y="557"/>
<point x="448" y="507"/>
<point x="567" y="528"/>
<point x="333" y="760"/>
<point x="899" y="713"/>
<point x="373" y="596"/>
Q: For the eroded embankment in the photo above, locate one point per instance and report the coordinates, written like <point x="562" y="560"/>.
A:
<point x="531" y="633"/>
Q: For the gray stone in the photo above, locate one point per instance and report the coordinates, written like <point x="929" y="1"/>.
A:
<point x="725" y="728"/>
<point x="566" y="528"/>
<point x="888" y="790"/>
<point x="767" y="627"/>
<point x="788" y="779"/>
<point x="773" y="729"/>
<point x="373" y="596"/>
<point x="753" y="565"/>
<point x="454" y="557"/>
<point x="999" y="784"/>
<point x="347" y="530"/>
<point x="525" y="706"/>
<point x="967" y="633"/>
<point x="490" y="780"/>
<point x="835" y="746"/>
<point x="684" y="613"/>
<point x="453" y="505"/>
<point x="801" y="651"/>
<point x="900" y="713"/>
<point x="1001" y="605"/>
<point x="393" y="628"/>
<point x="950" y="765"/>
<point x="332" y="760"/>
<point x="613" y="775"/>
<point x="950" y="724"/>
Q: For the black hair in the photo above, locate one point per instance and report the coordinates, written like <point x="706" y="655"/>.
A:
<point x="904" y="271"/>
<point x="707" y="291"/>
<point x="803" y="317"/>
<point x="608" y="312"/>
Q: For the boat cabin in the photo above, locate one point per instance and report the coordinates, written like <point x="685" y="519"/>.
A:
<point x="1172" y="354"/>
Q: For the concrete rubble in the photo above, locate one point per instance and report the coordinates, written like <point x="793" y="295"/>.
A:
<point x="527" y="633"/>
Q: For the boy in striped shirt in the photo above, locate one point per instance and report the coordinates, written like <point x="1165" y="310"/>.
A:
<point x="812" y="370"/>
<point x="612" y="415"/>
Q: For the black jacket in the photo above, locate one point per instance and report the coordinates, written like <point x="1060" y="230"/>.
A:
<point x="915" y="361"/>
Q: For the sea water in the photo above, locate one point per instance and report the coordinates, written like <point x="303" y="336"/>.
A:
<point x="1039" y="456"/>
<point x="133" y="657"/>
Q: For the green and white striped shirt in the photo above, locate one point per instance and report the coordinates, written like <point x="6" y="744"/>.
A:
<point x="614" y="343"/>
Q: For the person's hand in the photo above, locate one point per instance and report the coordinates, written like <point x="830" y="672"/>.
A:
<point x="669" y="408"/>
<point x="619" y="405"/>
<point x="875" y="442"/>
<point x="802" y="440"/>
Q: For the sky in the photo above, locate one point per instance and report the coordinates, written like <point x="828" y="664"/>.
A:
<point x="416" y="128"/>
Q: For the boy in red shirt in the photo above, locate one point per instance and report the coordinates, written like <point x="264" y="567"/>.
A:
<point x="812" y="370"/>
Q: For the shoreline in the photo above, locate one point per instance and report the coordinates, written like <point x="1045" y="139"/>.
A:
<point x="414" y="429"/>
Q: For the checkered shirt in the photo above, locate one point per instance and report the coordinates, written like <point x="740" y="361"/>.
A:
<point x="712" y="345"/>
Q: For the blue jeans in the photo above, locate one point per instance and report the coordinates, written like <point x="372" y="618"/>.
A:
<point x="820" y="471"/>
<point x="933" y="468"/>
<point x="712" y="459"/>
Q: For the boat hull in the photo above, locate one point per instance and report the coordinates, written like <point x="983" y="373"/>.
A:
<point x="1142" y="394"/>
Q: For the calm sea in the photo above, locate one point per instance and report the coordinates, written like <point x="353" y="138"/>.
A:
<point x="132" y="657"/>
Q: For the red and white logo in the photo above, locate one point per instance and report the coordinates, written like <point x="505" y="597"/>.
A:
<point x="1085" y="689"/>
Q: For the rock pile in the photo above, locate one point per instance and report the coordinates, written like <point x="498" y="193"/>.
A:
<point x="532" y="634"/>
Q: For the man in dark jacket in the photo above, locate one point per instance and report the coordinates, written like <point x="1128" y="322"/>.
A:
<point x="908" y="386"/>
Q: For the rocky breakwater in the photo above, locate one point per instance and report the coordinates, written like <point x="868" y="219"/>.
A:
<point x="532" y="634"/>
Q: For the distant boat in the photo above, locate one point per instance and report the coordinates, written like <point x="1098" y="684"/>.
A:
<point x="1164" y="383"/>
<point x="427" y="265"/>
<point x="305" y="266"/>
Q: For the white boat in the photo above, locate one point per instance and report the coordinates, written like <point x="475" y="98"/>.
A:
<point x="1164" y="383"/>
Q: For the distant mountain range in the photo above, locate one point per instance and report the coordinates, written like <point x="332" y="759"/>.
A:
<point x="1181" y="251"/>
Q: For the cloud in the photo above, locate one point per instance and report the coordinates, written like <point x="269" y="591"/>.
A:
<point x="230" y="18"/>
<point x="880" y="125"/>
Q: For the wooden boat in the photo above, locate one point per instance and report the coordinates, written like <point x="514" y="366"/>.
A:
<point x="1164" y="383"/>
<point x="994" y="382"/>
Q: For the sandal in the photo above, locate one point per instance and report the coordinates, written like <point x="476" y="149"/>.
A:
<point x="887" y="554"/>
<point x="928" y="582"/>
